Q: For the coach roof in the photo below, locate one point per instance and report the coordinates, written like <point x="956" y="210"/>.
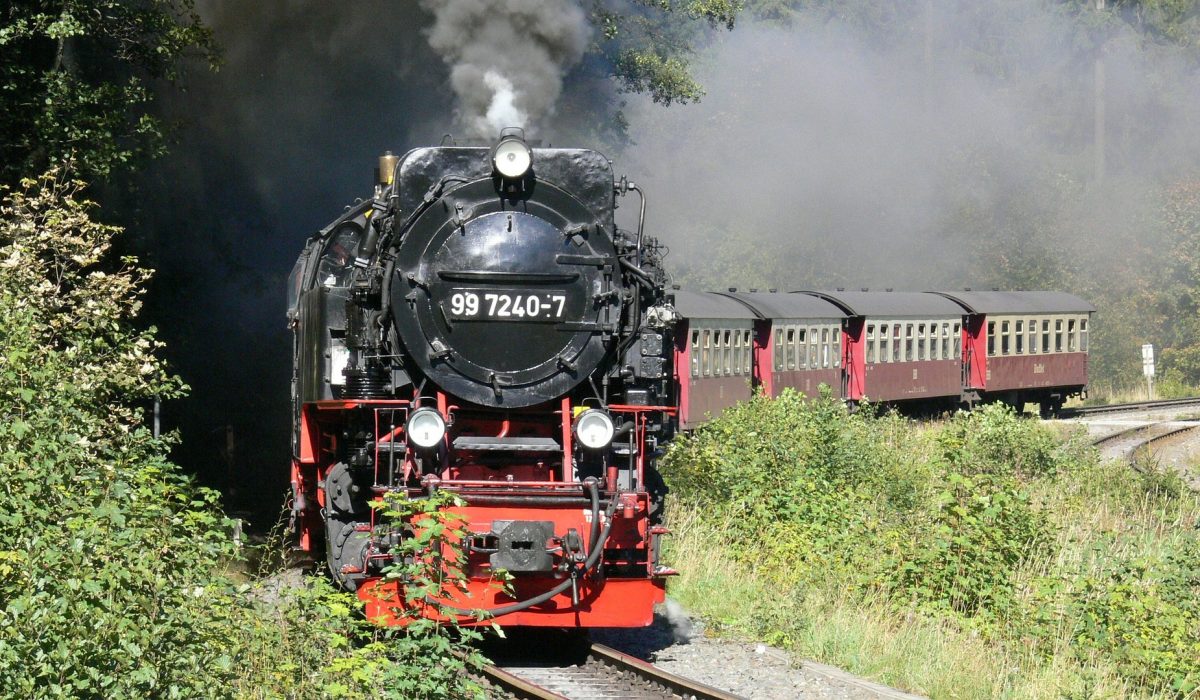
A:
<point x="890" y="304"/>
<point x="1019" y="302"/>
<point x="768" y="306"/>
<point x="710" y="305"/>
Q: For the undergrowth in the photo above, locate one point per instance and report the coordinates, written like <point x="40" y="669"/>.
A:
<point x="117" y="573"/>
<point x="982" y="556"/>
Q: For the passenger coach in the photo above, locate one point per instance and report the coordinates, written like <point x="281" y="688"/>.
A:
<point x="1025" y="347"/>
<point x="923" y="350"/>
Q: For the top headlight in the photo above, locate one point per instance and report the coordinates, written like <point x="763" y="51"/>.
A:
<point x="512" y="157"/>
<point x="594" y="429"/>
<point x="425" y="428"/>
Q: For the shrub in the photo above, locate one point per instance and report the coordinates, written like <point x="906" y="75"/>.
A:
<point x="113" y="565"/>
<point x="1145" y="615"/>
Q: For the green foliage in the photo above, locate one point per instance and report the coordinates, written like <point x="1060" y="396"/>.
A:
<point x="1146" y="617"/>
<point x="651" y="48"/>
<point x="114" y="577"/>
<point x="76" y="80"/>
<point x="974" y="523"/>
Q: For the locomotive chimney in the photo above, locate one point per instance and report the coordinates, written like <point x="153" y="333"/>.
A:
<point x="385" y="168"/>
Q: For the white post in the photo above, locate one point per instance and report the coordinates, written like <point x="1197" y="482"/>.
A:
<point x="1148" y="369"/>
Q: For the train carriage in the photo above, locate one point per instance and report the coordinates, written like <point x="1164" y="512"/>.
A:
<point x="903" y="346"/>
<point x="1025" y="347"/>
<point x="714" y="354"/>
<point x="800" y="343"/>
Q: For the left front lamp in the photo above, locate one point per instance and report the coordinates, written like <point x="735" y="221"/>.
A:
<point x="425" y="428"/>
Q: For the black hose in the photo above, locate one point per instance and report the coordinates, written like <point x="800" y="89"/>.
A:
<point x="598" y="540"/>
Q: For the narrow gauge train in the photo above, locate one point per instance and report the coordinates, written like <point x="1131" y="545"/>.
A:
<point x="927" y="350"/>
<point x="481" y="325"/>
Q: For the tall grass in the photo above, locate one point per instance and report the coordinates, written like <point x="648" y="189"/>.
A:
<point x="981" y="557"/>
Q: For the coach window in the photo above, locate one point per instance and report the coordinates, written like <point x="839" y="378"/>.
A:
<point x="1045" y="335"/>
<point x="1033" y="347"/>
<point x="1083" y="340"/>
<point x="778" y="349"/>
<point x="897" y="341"/>
<point x="714" y="357"/>
<point x="695" y="353"/>
<point x="885" y="344"/>
<point x="705" y="368"/>
<point x="1058" y="335"/>
<point x="957" y="341"/>
<point x="837" y="346"/>
<point x="870" y="343"/>
<point x="1020" y="338"/>
<point x="814" y="349"/>
<point x="825" y="348"/>
<point x="791" y="349"/>
<point x="946" y="342"/>
<point x="1004" y="333"/>
<point x="803" y="338"/>
<point x="727" y="342"/>
<point x="1071" y="344"/>
<point x="991" y="338"/>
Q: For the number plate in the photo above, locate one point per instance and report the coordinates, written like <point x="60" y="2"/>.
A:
<point x="548" y="306"/>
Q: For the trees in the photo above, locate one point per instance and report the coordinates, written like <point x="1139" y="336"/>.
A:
<point x="75" y="80"/>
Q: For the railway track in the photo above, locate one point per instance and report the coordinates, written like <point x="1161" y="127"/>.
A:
<point x="1159" y="432"/>
<point x="605" y="674"/>
<point x="1127" y="407"/>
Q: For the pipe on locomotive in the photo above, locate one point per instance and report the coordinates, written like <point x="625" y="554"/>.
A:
<point x="595" y="550"/>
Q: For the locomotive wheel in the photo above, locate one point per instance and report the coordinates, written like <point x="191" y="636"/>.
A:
<point x="345" y="496"/>
<point x="345" y="547"/>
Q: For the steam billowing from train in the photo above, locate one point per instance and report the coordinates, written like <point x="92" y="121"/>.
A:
<point x="507" y="58"/>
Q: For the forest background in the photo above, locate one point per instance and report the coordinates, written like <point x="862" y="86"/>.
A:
<point x="1032" y="144"/>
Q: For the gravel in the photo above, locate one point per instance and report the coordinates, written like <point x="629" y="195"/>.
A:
<point x="677" y="643"/>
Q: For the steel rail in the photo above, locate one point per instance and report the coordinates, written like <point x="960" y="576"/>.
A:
<point x="1143" y="447"/>
<point x="1126" y="432"/>
<point x="678" y="684"/>
<point x="1126" y="407"/>
<point x="519" y="687"/>
<point x="612" y="667"/>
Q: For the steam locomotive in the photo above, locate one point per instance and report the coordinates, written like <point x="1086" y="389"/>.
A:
<point x="481" y="325"/>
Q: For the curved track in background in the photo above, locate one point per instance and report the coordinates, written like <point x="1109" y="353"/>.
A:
<point x="1136" y="406"/>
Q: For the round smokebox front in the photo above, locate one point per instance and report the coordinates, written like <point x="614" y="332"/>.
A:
<point x="504" y="310"/>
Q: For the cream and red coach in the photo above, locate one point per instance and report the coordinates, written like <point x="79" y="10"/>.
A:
<point x="903" y="347"/>
<point x="1024" y="347"/>
<point x="801" y="342"/>
<point x="913" y="350"/>
<point x="714" y="355"/>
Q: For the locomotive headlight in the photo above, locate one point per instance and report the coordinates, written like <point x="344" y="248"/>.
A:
<point x="511" y="157"/>
<point x="425" y="428"/>
<point x="594" y="429"/>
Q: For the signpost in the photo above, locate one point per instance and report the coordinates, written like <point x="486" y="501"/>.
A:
<point x="1148" y="369"/>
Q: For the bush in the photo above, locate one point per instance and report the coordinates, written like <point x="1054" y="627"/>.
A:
<point x="1146" y="617"/>
<point x="113" y="565"/>
<point x="985" y="524"/>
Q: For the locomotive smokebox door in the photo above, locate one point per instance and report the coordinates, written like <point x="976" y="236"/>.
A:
<point x="507" y="301"/>
<point x="521" y="546"/>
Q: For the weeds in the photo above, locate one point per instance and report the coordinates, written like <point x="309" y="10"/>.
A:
<point x="979" y="557"/>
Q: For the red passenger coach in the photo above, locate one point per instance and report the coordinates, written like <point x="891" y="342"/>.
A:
<point x="802" y="342"/>
<point x="714" y="354"/>
<point x="1025" y="347"/>
<point x="909" y="343"/>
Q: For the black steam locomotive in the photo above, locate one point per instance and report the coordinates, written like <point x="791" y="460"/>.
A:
<point x="482" y="325"/>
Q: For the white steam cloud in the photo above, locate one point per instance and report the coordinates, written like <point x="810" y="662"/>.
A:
<point x="507" y="58"/>
<point x="503" y="110"/>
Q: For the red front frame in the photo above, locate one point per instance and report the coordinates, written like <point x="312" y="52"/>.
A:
<point x="604" y="601"/>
